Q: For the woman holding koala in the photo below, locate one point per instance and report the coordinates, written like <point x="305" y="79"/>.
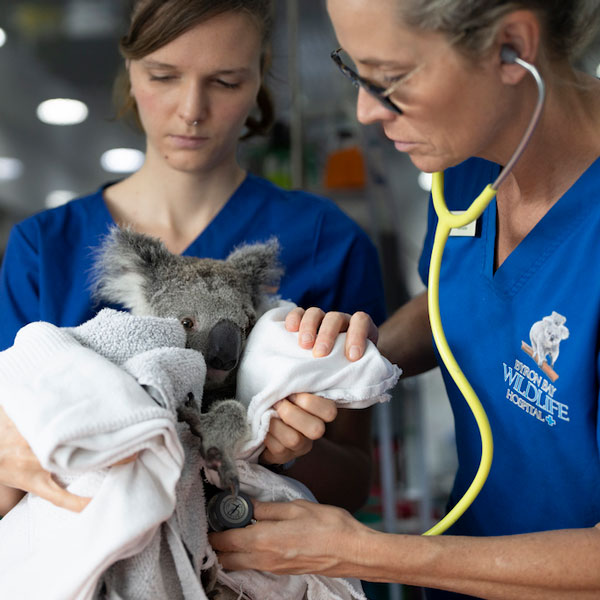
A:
<point x="195" y="71"/>
<point x="445" y="81"/>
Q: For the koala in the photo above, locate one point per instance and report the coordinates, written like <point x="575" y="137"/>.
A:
<point x="546" y="335"/>
<point x="217" y="303"/>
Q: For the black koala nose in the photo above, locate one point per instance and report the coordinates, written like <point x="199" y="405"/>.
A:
<point x="224" y="346"/>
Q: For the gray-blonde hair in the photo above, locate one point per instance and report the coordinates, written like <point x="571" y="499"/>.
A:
<point x="568" y="25"/>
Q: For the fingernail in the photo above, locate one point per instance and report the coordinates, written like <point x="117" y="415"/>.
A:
<point x="320" y="350"/>
<point x="354" y="353"/>
<point x="306" y="339"/>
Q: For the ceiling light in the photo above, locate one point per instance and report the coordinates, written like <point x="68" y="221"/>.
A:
<point x="59" y="197"/>
<point x="10" y="168"/>
<point x="62" y="111"/>
<point x="2" y="37"/>
<point x="122" y="160"/>
<point x="425" y="181"/>
<point x="598" y="70"/>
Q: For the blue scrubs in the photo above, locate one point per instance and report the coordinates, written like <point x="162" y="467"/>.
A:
<point x="329" y="261"/>
<point x="546" y="469"/>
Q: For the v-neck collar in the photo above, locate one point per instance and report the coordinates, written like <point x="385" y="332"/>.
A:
<point x="222" y="215"/>
<point x="566" y="215"/>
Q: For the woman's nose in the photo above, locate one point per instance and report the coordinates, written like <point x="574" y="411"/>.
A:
<point x="370" y="110"/>
<point x="193" y="105"/>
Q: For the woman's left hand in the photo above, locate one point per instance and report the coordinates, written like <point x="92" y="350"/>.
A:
<point x="302" y="420"/>
<point x="295" y="538"/>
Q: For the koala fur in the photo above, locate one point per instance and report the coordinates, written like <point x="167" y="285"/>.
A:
<point x="546" y="335"/>
<point x="217" y="303"/>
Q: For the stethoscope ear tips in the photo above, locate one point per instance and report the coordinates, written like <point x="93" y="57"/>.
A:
<point x="508" y="54"/>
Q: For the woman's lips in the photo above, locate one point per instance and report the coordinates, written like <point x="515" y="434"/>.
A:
<point x="404" y="146"/>
<point x="188" y="141"/>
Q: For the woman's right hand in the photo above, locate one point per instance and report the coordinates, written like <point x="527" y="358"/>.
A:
<point x="21" y="470"/>
<point x="318" y="330"/>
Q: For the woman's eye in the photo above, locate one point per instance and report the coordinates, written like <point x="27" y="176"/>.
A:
<point x="187" y="323"/>
<point x="161" y="77"/>
<point x="391" y="80"/>
<point x="227" y="84"/>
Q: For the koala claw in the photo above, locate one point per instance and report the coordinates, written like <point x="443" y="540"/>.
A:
<point x="213" y="458"/>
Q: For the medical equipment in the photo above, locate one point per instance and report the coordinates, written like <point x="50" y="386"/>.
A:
<point x="446" y="222"/>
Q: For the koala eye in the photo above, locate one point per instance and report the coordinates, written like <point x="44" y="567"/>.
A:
<point x="187" y="323"/>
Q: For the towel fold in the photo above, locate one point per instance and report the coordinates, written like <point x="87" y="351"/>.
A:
<point x="273" y="366"/>
<point x="81" y="413"/>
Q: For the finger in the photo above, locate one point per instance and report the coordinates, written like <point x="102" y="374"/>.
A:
<point x="275" y="453"/>
<point x="127" y="460"/>
<point x="290" y="438"/>
<point x="323" y="408"/>
<point x="333" y="323"/>
<point x="48" y="489"/>
<point x="307" y="332"/>
<point x="360" y="329"/>
<point x="294" y="318"/>
<point x="280" y="511"/>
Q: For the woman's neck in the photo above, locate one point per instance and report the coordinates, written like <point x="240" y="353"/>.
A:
<point x="172" y="205"/>
<point x="566" y="142"/>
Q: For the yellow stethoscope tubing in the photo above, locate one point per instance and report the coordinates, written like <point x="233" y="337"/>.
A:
<point x="446" y="222"/>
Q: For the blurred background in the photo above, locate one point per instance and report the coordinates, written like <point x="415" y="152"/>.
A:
<point x="67" y="49"/>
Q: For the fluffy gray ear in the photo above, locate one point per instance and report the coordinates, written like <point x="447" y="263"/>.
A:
<point x="260" y="264"/>
<point x="123" y="269"/>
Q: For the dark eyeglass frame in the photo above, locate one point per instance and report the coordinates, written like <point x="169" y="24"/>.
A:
<point x="381" y="93"/>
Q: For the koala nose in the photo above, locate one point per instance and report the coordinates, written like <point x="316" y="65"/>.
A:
<point x="224" y="346"/>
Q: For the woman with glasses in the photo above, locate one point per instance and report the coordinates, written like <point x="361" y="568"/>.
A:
<point x="519" y="294"/>
<point x="194" y="84"/>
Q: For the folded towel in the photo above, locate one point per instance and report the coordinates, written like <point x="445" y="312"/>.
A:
<point x="81" y="413"/>
<point x="273" y="366"/>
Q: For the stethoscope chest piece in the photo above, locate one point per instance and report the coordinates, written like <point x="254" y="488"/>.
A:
<point x="226" y="511"/>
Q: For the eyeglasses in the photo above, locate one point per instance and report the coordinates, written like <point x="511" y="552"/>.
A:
<point x="382" y="94"/>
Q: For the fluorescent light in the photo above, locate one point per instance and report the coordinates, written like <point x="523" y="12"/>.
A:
<point x="425" y="181"/>
<point x="10" y="168"/>
<point x="59" y="197"/>
<point x="122" y="160"/>
<point x="62" y="111"/>
<point x="598" y="70"/>
<point x="2" y="37"/>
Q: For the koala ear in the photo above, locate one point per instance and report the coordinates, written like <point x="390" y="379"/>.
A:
<point x="124" y="267"/>
<point x="260" y="264"/>
<point x="564" y="332"/>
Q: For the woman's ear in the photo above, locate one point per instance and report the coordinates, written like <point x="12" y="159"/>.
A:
<point x="521" y="31"/>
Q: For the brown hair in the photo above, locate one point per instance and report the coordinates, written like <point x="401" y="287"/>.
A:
<point x="155" y="23"/>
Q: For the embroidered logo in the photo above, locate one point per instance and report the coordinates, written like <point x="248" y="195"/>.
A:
<point x="545" y="337"/>
<point x="527" y="388"/>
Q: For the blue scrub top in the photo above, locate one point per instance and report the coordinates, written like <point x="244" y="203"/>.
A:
<point x="329" y="261"/>
<point x="546" y="469"/>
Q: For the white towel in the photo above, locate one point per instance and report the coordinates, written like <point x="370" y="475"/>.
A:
<point x="273" y="366"/>
<point x="81" y="413"/>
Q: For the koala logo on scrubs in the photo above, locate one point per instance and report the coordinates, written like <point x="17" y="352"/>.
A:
<point x="546" y="335"/>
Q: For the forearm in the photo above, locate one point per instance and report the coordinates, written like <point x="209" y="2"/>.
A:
<point x="338" y="468"/>
<point x="9" y="497"/>
<point x="547" y="565"/>
<point x="405" y="338"/>
<point x="336" y="474"/>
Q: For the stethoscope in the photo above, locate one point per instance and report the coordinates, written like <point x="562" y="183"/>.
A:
<point x="446" y="222"/>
